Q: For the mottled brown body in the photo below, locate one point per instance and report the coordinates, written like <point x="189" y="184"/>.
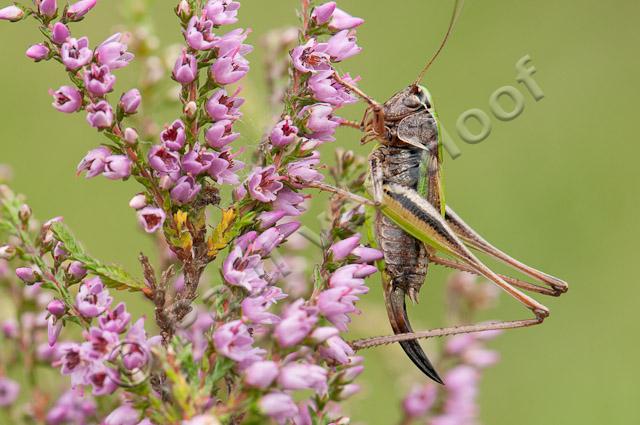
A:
<point x="407" y="156"/>
<point x="405" y="256"/>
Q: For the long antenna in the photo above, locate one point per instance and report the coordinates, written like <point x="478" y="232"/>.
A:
<point x="457" y="8"/>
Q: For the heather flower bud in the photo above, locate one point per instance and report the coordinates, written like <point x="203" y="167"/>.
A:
<point x="138" y="202"/>
<point x="229" y="69"/>
<point x="60" y="33"/>
<point x="190" y="110"/>
<point x="24" y="213"/>
<point x="76" y="270"/>
<point x="59" y="253"/>
<point x="7" y="252"/>
<point x="48" y="8"/>
<point x="130" y="101"/>
<point x="9" y="391"/>
<point x="261" y="374"/>
<point x="11" y="13"/>
<point x="131" y="136"/>
<point x="56" y="308"/>
<point x="343" y="248"/>
<point x="37" y="52"/>
<point x="77" y="10"/>
<point x="183" y="10"/>
<point x="174" y="136"/>
<point x="28" y="275"/>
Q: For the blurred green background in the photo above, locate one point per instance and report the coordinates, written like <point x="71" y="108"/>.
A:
<point x="557" y="187"/>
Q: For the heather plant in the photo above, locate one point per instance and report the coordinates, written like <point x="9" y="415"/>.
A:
<point x="266" y="340"/>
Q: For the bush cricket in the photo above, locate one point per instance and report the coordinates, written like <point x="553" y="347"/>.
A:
<point x="413" y="222"/>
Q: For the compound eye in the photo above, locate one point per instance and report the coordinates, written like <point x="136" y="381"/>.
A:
<point x="411" y="101"/>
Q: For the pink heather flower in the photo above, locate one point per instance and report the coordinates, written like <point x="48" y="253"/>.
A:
<point x="27" y="274"/>
<point x="283" y="133"/>
<point x="352" y="276"/>
<point x="9" y="328"/>
<point x="336" y="304"/>
<point x="321" y="14"/>
<point x="117" y="167"/>
<point x="480" y="357"/>
<point x="223" y="107"/>
<point x="113" y="53"/>
<point x="199" y="33"/>
<point x="254" y="309"/>
<point x="136" y="348"/>
<point x="37" y="52"/>
<point x="54" y="327"/>
<point x="48" y="8"/>
<point x="94" y="162"/>
<point x="80" y="8"/>
<point x="342" y="46"/>
<point x="342" y="249"/>
<point x="300" y="376"/>
<point x="66" y="99"/>
<point x="9" y="391"/>
<point x="367" y="255"/>
<point x="185" y="190"/>
<point x="229" y="69"/>
<point x="11" y="13"/>
<point x="92" y="299"/>
<point x="100" y="115"/>
<point x="71" y="409"/>
<point x="234" y="341"/>
<point x="297" y="321"/>
<point x="323" y="333"/>
<point x="341" y="20"/>
<point x="261" y="374"/>
<point x="197" y="160"/>
<point x="60" y="33"/>
<point x="320" y="121"/>
<point x="270" y="218"/>
<point x="264" y="184"/>
<point x="76" y="270"/>
<point x="232" y="42"/>
<point x="278" y="406"/>
<point x="174" y="136"/>
<point x="151" y="218"/>
<point x="337" y="349"/>
<point x="130" y="136"/>
<point x="326" y="89"/>
<point x="289" y="201"/>
<point x="224" y="167"/>
<point x="244" y="270"/>
<point x="138" y="201"/>
<point x="310" y="57"/>
<point x="123" y="415"/>
<point x="220" y="134"/>
<point x="419" y="400"/>
<point x="304" y="169"/>
<point x="349" y="390"/>
<point x="164" y="161"/>
<point x="115" y="320"/>
<point x="222" y="12"/>
<point x="76" y="53"/>
<point x="56" y="308"/>
<point x="185" y="71"/>
<point x="196" y="420"/>
<point x="130" y="101"/>
<point x="99" y="80"/>
<point x="72" y="363"/>
<point x="99" y="376"/>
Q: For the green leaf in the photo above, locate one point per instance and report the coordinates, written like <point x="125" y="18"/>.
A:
<point x="112" y="276"/>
